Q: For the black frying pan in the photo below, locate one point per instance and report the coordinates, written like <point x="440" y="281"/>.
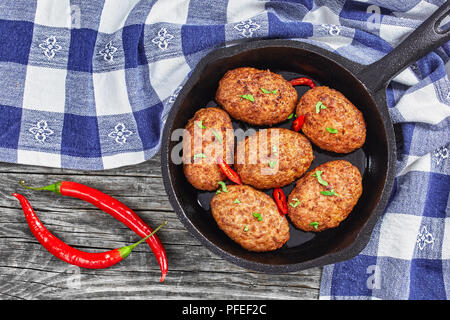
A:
<point x="363" y="85"/>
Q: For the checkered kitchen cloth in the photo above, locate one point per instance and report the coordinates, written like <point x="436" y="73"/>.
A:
<point x="88" y="84"/>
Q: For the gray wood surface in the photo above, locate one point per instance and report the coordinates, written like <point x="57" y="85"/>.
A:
<point x="28" y="271"/>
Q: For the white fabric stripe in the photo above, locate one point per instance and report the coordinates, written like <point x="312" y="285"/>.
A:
<point x="173" y="11"/>
<point x="114" y="15"/>
<point x="417" y="164"/>
<point x="123" y="159"/>
<point x="446" y="240"/>
<point x="398" y="235"/>
<point x="423" y="106"/>
<point x="168" y="71"/>
<point x="240" y="10"/>
<point x="53" y="13"/>
<point x="36" y="158"/>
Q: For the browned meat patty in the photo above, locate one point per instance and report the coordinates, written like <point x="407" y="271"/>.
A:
<point x="258" y="97"/>
<point x="250" y="218"/>
<point x="273" y="158"/>
<point x="207" y="135"/>
<point x="332" y="122"/>
<point x="313" y="206"/>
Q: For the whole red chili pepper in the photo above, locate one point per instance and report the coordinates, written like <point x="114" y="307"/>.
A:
<point x="280" y="200"/>
<point x="116" y="209"/>
<point x="298" y="123"/>
<point x="230" y="173"/>
<point x="69" y="254"/>
<point x="303" y="81"/>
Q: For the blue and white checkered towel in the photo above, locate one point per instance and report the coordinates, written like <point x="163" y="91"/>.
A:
<point x="88" y="84"/>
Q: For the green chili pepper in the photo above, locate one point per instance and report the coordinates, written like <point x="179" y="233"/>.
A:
<point x="329" y="193"/>
<point x="318" y="175"/>
<point x="332" y="130"/>
<point x="257" y="216"/>
<point x="217" y="135"/>
<point x="199" y="155"/>
<point x="320" y="106"/>
<point x="248" y="97"/>
<point x="315" y="225"/>
<point x="223" y="185"/>
<point x="297" y="202"/>
<point x="200" y="125"/>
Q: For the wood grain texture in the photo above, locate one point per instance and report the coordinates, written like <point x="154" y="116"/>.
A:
<point x="28" y="271"/>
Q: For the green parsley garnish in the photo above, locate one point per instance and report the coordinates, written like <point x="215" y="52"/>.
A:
<point x="331" y="130"/>
<point x="248" y="97"/>
<point x="200" y="124"/>
<point x="257" y="216"/>
<point x="320" y="106"/>
<point x="269" y="91"/>
<point x="199" y="155"/>
<point x="275" y="150"/>
<point x="318" y="175"/>
<point x="236" y="201"/>
<point x="217" y="135"/>
<point x="223" y="185"/>
<point x="314" y="224"/>
<point x="329" y="193"/>
<point x="245" y="228"/>
<point x="272" y="164"/>
<point x="297" y="202"/>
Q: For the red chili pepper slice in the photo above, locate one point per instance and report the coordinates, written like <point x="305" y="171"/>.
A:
<point x="116" y="209"/>
<point x="230" y="173"/>
<point x="303" y="82"/>
<point x="280" y="200"/>
<point x="63" y="251"/>
<point x="298" y="123"/>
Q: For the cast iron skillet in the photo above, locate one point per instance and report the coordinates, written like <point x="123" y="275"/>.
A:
<point x="363" y="85"/>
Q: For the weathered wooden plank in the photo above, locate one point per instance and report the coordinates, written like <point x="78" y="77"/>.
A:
<point x="28" y="271"/>
<point x="31" y="273"/>
<point x="138" y="286"/>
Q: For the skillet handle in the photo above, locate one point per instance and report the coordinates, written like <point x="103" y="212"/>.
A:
<point x="427" y="37"/>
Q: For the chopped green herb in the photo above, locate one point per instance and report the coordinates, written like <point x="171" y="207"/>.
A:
<point x="257" y="216"/>
<point x="290" y="116"/>
<point x="269" y="91"/>
<point x="272" y="164"/>
<point x="331" y="130"/>
<point x="245" y="228"/>
<point x="217" y="135"/>
<point x="318" y="175"/>
<point x="236" y="201"/>
<point x="199" y="155"/>
<point x="320" y="106"/>
<point x="248" y="97"/>
<point x="223" y="185"/>
<point x="275" y="150"/>
<point x="200" y="124"/>
<point x="329" y="193"/>
<point x="314" y="224"/>
<point x="297" y="202"/>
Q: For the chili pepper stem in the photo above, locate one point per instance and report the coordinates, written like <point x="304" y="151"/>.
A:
<point x="125" y="251"/>
<point x="55" y="187"/>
